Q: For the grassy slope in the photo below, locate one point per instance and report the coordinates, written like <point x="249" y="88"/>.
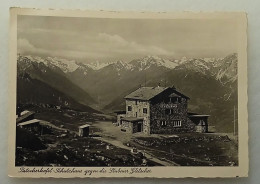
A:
<point x="194" y="149"/>
<point x="33" y="91"/>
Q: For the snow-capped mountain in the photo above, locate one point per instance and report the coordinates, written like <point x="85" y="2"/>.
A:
<point x="152" y="61"/>
<point x="218" y="67"/>
<point x="211" y="82"/>
<point x="64" y="64"/>
<point x="227" y="69"/>
<point x="120" y="65"/>
<point x="52" y="73"/>
<point x="67" y="66"/>
<point x="223" y="69"/>
<point x="98" y="65"/>
<point x="198" y="65"/>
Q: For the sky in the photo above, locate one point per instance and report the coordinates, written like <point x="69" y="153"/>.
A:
<point x="107" y="39"/>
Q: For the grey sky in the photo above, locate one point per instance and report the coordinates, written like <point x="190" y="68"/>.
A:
<point x="91" y="39"/>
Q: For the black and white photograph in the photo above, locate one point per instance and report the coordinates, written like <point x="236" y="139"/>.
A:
<point x="127" y="92"/>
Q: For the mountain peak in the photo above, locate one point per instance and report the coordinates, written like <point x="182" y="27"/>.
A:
<point x="152" y="57"/>
<point x="97" y="65"/>
<point x="121" y="65"/>
<point x="153" y="61"/>
<point x="64" y="64"/>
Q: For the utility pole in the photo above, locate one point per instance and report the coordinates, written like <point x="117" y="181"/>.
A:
<point x="144" y="79"/>
<point x="234" y="120"/>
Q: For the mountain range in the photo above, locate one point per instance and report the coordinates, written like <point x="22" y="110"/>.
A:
<point x="211" y="83"/>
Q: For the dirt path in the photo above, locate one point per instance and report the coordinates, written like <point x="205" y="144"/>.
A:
<point x="112" y="135"/>
<point x="176" y="155"/>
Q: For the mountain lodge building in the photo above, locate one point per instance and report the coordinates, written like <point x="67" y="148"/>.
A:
<point x="159" y="110"/>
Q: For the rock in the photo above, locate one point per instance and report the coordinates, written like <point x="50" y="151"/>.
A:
<point x="144" y="162"/>
<point x="134" y="150"/>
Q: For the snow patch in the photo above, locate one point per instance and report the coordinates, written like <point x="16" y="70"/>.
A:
<point x="97" y="65"/>
<point x="64" y="64"/>
<point x="148" y="61"/>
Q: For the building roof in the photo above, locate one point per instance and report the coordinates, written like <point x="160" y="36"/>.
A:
<point x="145" y="93"/>
<point x="199" y="115"/>
<point x="84" y="126"/>
<point x="24" y="112"/>
<point x="29" y="122"/>
<point x="26" y="115"/>
<point x="132" y="119"/>
<point x="178" y="94"/>
<point x="174" y="95"/>
<point x="120" y="112"/>
<point x="190" y="114"/>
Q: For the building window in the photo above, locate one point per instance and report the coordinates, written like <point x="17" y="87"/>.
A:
<point x="175" y="99"/>
<point x="167" y="100"/>
<point x="168" y="111"/>
<point x="136" y="102"/>
<point x="145" y="110"/>
<point x="163" y="123"/>
<point x="202" y="123"/>
<point x="129" y="108"/>
<point x="177" y="123"/>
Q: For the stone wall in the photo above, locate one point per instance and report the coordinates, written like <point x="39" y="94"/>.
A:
<point x="137" y="111"/>
<point x="165" y="123"/>
<point x="127" y="126"/>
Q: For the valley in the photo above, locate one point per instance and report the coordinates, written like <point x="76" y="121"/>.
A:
<point x="68" y="94"/>
<point x="211" y="83"/>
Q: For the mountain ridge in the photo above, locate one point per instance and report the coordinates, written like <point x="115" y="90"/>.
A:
<point x="141" y="64"/>
<point x="55" y="78"/>
<point x="29" y="90"/>
<point x="210" y="82"/>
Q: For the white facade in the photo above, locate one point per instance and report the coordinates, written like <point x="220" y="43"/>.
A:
<point x="139" y="109"/>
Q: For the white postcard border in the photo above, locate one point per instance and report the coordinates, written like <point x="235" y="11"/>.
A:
<point x="154" y="172"/>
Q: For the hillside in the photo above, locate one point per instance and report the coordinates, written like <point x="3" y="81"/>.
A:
<point x="34" y="92"/>
<point x="211" y="83"/>
<point x="209" y="94"/>
<point x="54" y="77"/>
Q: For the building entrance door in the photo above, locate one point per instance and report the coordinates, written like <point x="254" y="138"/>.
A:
<point x="139" y="127"/>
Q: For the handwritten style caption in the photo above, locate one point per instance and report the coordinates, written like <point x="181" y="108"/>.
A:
<point x="84" y="171"/>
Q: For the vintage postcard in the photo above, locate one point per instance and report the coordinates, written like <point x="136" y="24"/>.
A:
<point x="127" y="94"/>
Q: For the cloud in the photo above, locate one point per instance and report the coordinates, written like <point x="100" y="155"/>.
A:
<point x="121" y="45"/>
<point x="83" y="45"/>
<point x="87" y="46"/>
<point x="24" y="45"/>
<point x="126" y="39"/>
<point x="112" y="38"/>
